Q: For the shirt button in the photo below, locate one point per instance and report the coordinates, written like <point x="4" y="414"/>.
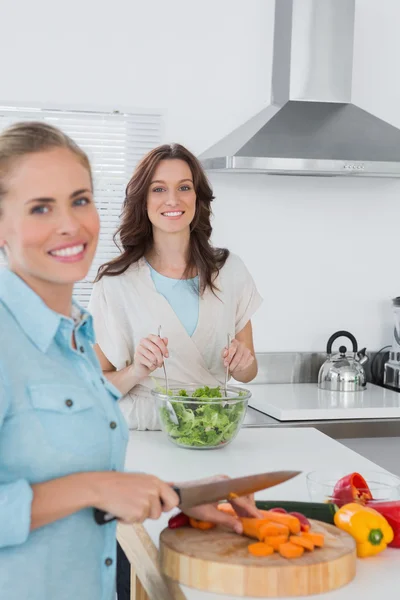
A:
<point x="102" y="379"/>
<point x="69" y="403"/>
<point x="113" y="424"/>
<point x="82" y="349"/>
<point x="108" y="562"/>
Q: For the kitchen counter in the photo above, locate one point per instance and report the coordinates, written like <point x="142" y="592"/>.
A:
<point x="374" y="413"/>
<point x="256" y="450"/>
<point x="306" y="402"/>
<point x="336" y="429"/>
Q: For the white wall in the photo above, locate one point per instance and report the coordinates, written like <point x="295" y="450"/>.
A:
<point x="324" y="251"/>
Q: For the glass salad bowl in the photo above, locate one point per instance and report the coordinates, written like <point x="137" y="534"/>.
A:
<point x="200" y="417"/>
<point x="383" y="486"/>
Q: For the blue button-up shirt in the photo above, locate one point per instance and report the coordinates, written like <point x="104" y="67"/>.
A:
<point x="58" y="415"/>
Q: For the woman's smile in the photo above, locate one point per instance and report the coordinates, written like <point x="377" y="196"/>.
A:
<point x="71" y="252"/>
<point x="176" y="214"/>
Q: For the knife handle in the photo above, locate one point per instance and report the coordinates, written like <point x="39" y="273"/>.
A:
<point x="101" y="517"/>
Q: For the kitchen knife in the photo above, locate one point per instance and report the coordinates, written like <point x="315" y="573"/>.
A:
<point x="222" y="489"/>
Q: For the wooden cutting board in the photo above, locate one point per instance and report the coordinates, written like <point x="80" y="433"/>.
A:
<point x="218" y="561"/>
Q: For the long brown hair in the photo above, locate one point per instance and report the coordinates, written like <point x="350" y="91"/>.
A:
<point x="135" y="231"/>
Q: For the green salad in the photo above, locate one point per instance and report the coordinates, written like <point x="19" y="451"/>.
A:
<point x="206" y="423"/>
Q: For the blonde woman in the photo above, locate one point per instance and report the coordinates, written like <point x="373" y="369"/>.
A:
<point x="62" y="436"/>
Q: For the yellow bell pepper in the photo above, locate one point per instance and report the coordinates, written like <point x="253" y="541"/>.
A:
<point x="370" y="529"/>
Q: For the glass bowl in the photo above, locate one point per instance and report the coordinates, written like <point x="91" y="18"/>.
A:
<point x="383" y="486"/>
<point x="206" y="417"/>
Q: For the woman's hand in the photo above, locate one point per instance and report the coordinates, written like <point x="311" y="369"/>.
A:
<point x="244" y="506"/>
<point x="237" y="357"/>
<point x="132" y="497"/>
<point x="149" y="356"/>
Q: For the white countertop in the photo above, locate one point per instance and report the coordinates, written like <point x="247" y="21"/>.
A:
<point x="307" y="402"/>
<point x="259" y="450"/>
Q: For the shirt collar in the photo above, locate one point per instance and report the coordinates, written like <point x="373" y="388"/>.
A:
<point x="38" y="321"/>
<point x="84" y="321"/>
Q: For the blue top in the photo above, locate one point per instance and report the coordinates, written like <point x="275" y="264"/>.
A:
<point x="182" y="295"/>
<point x="58" y="415"/>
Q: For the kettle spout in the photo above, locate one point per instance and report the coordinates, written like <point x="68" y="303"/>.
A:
<point x="362" y="356"/>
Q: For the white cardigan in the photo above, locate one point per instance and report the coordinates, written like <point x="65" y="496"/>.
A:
<point x="127" y="308"/>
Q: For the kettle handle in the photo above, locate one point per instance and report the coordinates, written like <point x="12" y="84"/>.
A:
<point x="339" y="334"/>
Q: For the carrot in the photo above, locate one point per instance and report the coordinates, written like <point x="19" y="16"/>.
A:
<point x="274" y="529"/>
<point x="252" y="527"/>
<point x="318" y="539"/>
<point x="284" y="519"/>
<point x="289" y="550"/>
<point x="302" y="541"/>
<point x="260" y="549"/>
<point x="265" y="513"/>
<point x="227" y="508"/>
<point x="204" y="525"/>
<point x="275" y="541"/>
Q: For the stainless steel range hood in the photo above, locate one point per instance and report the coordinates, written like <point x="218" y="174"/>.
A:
<point x="311" y="126"/>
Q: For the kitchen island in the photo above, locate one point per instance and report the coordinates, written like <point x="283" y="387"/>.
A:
<point x="376" y="437"/>
<point x="254" y="450"/>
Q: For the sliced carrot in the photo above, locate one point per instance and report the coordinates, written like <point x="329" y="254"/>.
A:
<point x="252" y="527"/>
<point x="273" y="529"/>
<point x="275" y="541"/>
<point x="260" y="549"/>
<point x="284" y="519"/>
<point x="318" y="539"/>
<point x="302" y="541"/>
<point x="289" y="550"/>
<point x="227" y="508"/>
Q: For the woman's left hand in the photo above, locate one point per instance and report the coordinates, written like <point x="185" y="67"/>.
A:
<point x="244" y="506"/>
<point x="238" y="357"/>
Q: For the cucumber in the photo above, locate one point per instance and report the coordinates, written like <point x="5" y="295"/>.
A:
<point x="311" y="510"/>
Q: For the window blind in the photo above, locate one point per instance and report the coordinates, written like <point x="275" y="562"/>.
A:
<point x="114" y="143"/>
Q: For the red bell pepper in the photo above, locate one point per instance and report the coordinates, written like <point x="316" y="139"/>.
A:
<point x="391" y="512"/>
<point x="178" y="520"/>
<point x="304" y="522"/>
<point x="351" y="488"/>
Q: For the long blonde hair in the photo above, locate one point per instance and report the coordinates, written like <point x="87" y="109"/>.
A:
<point x="30" y="137"/>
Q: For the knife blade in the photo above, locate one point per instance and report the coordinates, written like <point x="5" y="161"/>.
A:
<point x="223" y="489"/>
<point x="227" y="489"/>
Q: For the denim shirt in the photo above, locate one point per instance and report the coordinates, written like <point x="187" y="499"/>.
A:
<point x="58" y="415"/>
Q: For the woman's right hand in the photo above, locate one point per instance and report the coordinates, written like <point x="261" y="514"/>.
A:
<point x="133" y="497"/>
<point x="149" y="356"/>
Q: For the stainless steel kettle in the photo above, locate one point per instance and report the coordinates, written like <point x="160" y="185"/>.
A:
<point x="342" y="372"/>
